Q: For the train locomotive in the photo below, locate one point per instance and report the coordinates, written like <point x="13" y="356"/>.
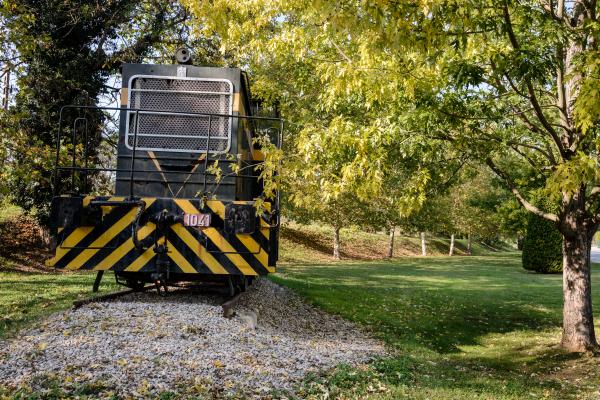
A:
<point x="178" y="209"/>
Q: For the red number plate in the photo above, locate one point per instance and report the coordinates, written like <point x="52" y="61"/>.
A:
<point x="198" y="220"/>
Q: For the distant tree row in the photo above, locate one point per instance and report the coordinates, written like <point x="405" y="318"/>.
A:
<point x="474" y="206"/>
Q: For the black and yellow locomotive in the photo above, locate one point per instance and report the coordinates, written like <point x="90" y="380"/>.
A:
<point x="172" y="215"/>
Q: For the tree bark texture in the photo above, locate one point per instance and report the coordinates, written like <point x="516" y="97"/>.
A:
<point x="390" y="253"/>
<point x="423" y="245"/>
<point x="336" y="243"/>
<point x="451" y="252"/>
<point x="578" y="323"/>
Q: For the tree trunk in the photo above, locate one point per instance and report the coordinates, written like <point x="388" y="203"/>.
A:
<point x="469" y="244"/>
<point x="6" y="94"/>
<point x="336" y="242"/>
<point x="578" y="322"/>
<point x="423" y="246"/>
<point x="520" y="243"/>
<point x="451" y="252"/>
<point x="390" y="253"/>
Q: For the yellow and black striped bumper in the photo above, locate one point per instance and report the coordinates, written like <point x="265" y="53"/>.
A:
<point x="108" y="243"/>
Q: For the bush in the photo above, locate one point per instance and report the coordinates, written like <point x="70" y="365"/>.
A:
<point x="542" y="246"/>
<point x="18" y="231"/>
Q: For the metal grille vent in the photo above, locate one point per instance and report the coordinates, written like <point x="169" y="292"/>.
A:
<point x="162" y="130"/>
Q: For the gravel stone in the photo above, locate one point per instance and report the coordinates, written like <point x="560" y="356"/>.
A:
<point x="249" y="318"/>
<point x="143" y="344"/>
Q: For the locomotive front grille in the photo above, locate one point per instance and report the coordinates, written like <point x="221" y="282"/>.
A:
<point x="168" y="122"/>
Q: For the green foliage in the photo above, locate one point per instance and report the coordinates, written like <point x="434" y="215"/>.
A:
<point x="513" y="219"/>
<point x="542" y="246"/>
<point x="66" y="52"/>
<point x="371" y="83"/>
<point x="347" y="141"/>
<point x="511" y="84"/>
<point x="471" y="204"/>
<point x="9" y="211"/>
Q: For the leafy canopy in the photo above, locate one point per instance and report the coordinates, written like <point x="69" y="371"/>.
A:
<point x="346" y="92"/>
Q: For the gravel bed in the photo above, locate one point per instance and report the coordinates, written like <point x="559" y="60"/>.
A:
<point x="143" y="344"/>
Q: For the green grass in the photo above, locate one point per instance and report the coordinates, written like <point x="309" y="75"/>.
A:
<point x="458" y="328"/>
<point x="25" y="297"/>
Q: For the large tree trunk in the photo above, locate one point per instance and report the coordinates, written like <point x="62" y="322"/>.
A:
<point x="336" y="242"/>
<point x="578" y="322"/>
<point x="390" y="253"/>
<point x="451" y="252"/>
<point x="423" y="245"/>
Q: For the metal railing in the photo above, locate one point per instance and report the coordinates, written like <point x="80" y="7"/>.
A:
<point x="79" y="121"/>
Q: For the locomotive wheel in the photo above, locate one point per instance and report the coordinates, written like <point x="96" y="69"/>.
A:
<point x="161" y="287"/>
<point x="136" y="285"/>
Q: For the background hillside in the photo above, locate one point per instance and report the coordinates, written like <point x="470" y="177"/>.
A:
<point x="313" y="243"/>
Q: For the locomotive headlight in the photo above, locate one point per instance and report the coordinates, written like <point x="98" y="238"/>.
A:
<point x="240" y="219"/>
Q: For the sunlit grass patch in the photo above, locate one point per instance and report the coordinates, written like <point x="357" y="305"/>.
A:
<point x="472" y="327"/>
<point x="25" y="297"/>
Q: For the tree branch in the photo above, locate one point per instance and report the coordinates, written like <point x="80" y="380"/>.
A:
<point x="513" y="188"/>
<point x="143" y="44"/>
<point x="341" y="52"/>
<point x="530" y="89"/>
<point x="515" y="148"/>
<point x="514" y="87"/>
<point x="557" y="16"/>
<point x="545" y="153"/>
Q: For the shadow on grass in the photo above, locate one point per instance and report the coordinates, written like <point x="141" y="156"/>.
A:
<point x="439" y="303"/>
<point x="467" y="327"/>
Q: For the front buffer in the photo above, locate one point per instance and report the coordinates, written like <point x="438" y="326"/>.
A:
<point x="164" y="239"/>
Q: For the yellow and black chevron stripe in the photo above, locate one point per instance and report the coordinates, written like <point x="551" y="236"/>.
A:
<point x="108" y="245"/>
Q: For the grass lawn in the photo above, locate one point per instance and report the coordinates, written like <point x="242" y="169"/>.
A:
<point x="459" y="328"/>
<point x="475" y="327"/>
<point x="25" y="297"/>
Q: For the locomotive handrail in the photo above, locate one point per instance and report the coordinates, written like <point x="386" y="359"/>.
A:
<point x="132" y="170"/>
<point x="249" y="117"/>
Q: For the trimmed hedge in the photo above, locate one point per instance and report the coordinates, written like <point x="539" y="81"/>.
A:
<point x="542" y="246"/>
